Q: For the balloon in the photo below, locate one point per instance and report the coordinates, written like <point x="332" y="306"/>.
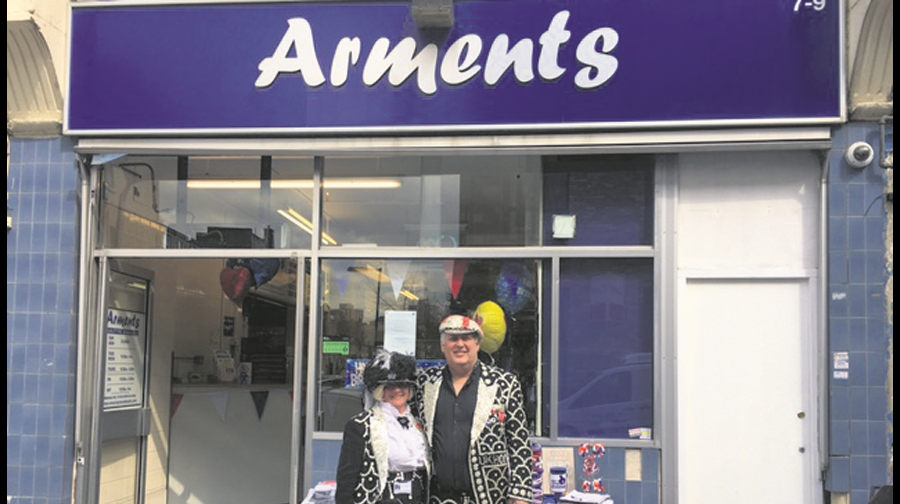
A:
<point x="515" y="288"/>
<point x="492" y="320"/>
<point x="236" y="283"/>
<point x="264" y="270"/>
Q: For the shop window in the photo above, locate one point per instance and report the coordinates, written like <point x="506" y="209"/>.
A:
<point x="459" y="201"/>
<point x="207" y="202"/>
<point x="609" y="197"/>
<point x="606" y="340"/>
<point x="399" y="304"/>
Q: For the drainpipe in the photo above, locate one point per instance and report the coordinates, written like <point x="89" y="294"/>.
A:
<point x="87" y="196"/>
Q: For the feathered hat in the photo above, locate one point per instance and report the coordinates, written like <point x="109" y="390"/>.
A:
<point x="387" y="367"/>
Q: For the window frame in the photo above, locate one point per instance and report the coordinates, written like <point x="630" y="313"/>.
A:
<point x="657" y="251"/>
<point x="661" y="252"/>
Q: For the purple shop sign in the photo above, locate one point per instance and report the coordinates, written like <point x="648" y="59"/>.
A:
<point x="312" y="68"/>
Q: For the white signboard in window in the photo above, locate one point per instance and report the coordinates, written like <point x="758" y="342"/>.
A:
<point x="124" y="359"/>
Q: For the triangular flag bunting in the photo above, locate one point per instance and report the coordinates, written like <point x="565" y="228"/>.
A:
<point x="397" y="272"/>
<point x="342" y="281"/>
<point x="176" y="402"/>
<point x="340" y="271"/>
<point x="220" y="402"/>
<point x="260" y="398"/>
<point x="456" y="271"/>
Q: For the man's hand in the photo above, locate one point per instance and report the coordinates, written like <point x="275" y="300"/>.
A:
<point x="514" y="501"/>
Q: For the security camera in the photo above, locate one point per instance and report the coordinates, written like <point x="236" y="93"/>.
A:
<point x="859" y="155"/>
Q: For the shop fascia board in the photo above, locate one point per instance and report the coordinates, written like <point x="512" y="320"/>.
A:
<point x="562" y="143"/>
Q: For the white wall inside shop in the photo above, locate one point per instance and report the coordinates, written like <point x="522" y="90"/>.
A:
<point x="238" y="459"/>
<point x="748" y="231"/>
<point x="188" y="310"/>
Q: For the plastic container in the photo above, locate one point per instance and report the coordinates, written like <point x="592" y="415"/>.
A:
<point x="559" y="479"/>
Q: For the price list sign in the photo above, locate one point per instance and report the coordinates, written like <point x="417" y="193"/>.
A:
<point x="124" y="359"/>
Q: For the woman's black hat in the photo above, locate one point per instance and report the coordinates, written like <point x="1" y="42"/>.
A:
<point x="389" y="367"/>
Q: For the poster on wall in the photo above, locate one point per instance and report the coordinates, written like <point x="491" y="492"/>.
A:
<point x="125" y="336"/>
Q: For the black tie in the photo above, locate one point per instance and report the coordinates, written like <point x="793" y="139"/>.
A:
<point x="404" y="422"/>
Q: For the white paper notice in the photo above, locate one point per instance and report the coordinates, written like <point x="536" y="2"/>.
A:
<point x="841" y="360"/>
<point x="400" y="332"/>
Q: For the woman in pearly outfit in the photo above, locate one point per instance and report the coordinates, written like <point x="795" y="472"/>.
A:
<point x="385" y="458"/>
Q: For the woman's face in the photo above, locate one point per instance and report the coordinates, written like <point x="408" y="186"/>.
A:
<point x="397" y="395"/>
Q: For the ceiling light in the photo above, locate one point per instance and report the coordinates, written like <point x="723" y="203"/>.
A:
<point x="305" y="224"/>
<point x="296" y="184"/>
<point x="409" y="295"/>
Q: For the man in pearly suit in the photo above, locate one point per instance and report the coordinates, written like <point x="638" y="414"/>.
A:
<point x="475" y="422"/>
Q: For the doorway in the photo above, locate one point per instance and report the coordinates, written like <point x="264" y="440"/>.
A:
<point x="745" y="384"/>
<point x="216" y="419"/>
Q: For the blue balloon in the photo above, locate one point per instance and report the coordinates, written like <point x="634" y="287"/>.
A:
<point x="515" y="287"/>
<point x="264" y="270"/>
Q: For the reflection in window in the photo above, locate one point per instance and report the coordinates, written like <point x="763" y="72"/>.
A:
<point x="460" y="201"/>
<point x="364" y="300"/>
<point x="606" y="347"/>
<point x="612" y="389"/>
<point x="207" y="202"/>
<point x="611" y="196"/>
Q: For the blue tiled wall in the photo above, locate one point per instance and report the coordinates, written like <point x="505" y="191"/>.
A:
<point x="41" y="313"/>
<point x="858" y="323"/>
<point x="611" y="471"/>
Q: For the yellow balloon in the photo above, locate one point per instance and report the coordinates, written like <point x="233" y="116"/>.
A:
<point x="492" y="320"/>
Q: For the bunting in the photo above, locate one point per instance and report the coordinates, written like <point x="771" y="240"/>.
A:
<point x="260" y="398"/>
<point x="220" y="402"/>
<point x="176" y="402"/>
<point x="340" y="271"/>
<point x="397" y="271"/>
<point x="456" y="271"/>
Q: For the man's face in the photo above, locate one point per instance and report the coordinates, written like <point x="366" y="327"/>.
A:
<point x="460" y="349"/>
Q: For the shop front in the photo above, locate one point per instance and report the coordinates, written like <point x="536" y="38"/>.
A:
<point x="276" y="190"/>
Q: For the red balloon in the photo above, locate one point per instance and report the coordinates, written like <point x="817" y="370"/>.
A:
<point x="236" y="283"/>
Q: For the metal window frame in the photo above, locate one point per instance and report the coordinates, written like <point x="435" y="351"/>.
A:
<point x="664" y="144"/>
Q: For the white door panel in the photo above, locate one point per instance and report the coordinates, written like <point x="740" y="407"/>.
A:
<point x="745" y="415"/>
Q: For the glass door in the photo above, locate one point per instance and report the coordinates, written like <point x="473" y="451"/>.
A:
<point x="123" y="412"/>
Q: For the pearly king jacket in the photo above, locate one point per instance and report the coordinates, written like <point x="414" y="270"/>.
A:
<point x="362" y="473"/>
<point x="500" y="457"/>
